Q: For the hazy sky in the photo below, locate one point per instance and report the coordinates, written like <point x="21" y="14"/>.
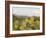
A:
<point x="26" y="11"/>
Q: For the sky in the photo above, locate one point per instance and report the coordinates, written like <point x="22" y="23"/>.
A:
<point x="26" y="11"/>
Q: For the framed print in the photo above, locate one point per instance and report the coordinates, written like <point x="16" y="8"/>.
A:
<point x="24" y="18"/>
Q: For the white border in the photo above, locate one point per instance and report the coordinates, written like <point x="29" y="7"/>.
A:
<point x="25" y="31"/>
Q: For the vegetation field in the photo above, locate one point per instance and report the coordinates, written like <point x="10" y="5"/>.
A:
<point x="26" y="23"/>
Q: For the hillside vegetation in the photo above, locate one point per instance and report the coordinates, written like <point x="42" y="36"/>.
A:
<point x="26" y="23"/>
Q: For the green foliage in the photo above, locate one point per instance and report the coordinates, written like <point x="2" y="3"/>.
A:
<point x="26" y="23"/>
